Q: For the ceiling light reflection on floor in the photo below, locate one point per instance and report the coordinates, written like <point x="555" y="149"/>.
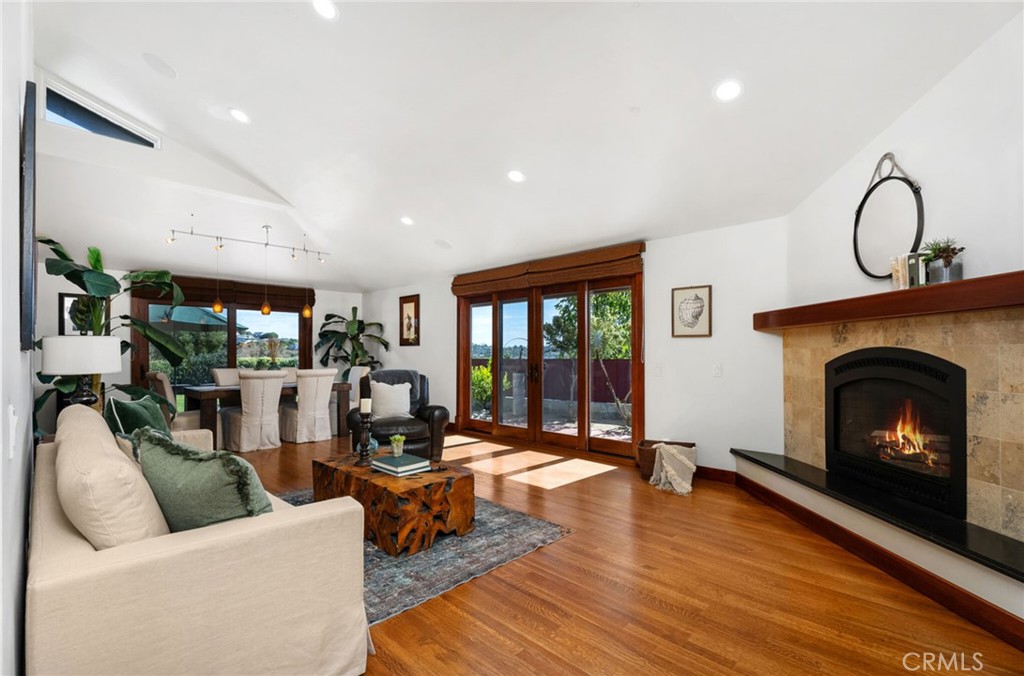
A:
<point x="511" y="463"/>
<point x="561" y="473"/>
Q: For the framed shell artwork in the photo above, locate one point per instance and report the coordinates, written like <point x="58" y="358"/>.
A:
<point x="691" y="312"/>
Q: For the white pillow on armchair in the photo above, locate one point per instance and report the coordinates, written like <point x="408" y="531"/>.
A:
<point x="390" y="401"/>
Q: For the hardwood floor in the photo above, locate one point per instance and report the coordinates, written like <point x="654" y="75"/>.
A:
<point x="649" y="582"/>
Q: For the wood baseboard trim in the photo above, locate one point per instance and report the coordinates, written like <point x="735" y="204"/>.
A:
<point x="989" y="617"/>
<point x="725" y="476"/>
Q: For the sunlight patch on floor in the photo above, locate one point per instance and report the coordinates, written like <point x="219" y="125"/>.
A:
<point x="473" y="450"/>
<point x="458" y="440"/>
<point x="562" y="473"/>
<point x="512" y="463"/>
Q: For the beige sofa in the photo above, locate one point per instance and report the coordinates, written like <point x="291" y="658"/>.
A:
<point x="278" y="593"/>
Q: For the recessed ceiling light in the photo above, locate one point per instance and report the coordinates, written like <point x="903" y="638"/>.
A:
<point x="239" y="115"/>
<point x="327" y="9"/>
<point x="406" y="220"/>
<point x="728" y="90"/>
<point x="516" y="176"/>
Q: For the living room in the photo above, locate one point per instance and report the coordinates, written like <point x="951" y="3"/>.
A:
<point x="754" y="197"/>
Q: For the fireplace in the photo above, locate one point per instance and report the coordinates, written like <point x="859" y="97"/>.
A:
<point x="896" y="419"/>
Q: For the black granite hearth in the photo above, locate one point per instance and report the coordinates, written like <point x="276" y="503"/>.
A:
<point x="991" y="549"/>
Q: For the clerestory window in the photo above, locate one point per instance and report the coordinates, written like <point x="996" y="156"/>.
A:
<point x="63" y="110"/>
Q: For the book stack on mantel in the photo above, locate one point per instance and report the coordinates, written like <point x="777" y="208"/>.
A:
<point x="400" y="465"/>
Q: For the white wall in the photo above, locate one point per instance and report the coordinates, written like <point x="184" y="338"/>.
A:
<point x="435" y="356"/>
<point x="15" y="389"/>
<point x="746" y="268"/>
<point x="743" y="408"/>
<point x="963" y="142"/>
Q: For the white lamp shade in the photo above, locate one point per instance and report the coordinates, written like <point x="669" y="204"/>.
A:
<point x="81" y="355"/>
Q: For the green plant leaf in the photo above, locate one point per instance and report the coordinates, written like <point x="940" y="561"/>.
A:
<point x="149" y="276"/>
<point x="55" y="246"/>
<point x="59" y="267"/>
<point x="100" y="284"/>
<point x="169" y="347"/>
<point x="41" y="400"/>
<point x="95" y="259"/>
<point x="66" y="384"/>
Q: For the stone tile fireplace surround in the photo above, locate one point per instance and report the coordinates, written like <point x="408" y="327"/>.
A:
<point x="972" y="565"/>
<point x="988" y="344"/>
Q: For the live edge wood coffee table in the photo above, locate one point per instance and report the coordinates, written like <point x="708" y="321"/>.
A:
<point x="402" y="514"/>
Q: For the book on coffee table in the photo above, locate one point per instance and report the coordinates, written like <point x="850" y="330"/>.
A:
<point x="400" y="465"/>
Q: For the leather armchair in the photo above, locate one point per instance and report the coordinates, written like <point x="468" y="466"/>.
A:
<point x="424" y="431"/>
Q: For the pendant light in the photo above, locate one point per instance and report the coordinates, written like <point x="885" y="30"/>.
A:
<point x="218" y="305"/>
<point x="265" y="308"/>
<point x="307" y="311"/>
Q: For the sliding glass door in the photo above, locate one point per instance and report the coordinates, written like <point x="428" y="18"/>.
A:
<point x="553" y="365"/>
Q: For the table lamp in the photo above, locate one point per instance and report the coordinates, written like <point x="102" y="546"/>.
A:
<point x="81" y="356"/>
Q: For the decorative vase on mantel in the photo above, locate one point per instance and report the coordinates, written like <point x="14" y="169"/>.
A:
<point x="941" y="271"/>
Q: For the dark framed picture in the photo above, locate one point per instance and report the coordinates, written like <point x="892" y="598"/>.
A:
<point x="65" y="326"/>
<point x="691" y="311"/>
<point x="409" y="318"/>
<point x="28" y="219"/>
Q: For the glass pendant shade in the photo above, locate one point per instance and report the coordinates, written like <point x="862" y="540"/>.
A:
<point x="218" y="305"/>
<point x="265" y="309"/>
<point x="307" y="311"/>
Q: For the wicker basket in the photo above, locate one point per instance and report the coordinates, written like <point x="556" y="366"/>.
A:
<point x="645" y="454"/>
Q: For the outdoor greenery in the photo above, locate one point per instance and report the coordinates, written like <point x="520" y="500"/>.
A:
<point x="342" y="340"/>
<point x="610" y="322"/>
<point x="480" y="386"/>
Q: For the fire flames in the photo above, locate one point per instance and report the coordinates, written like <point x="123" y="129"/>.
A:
<point x="908" y="441"/>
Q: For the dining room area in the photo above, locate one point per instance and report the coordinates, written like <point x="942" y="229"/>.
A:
<point x="248" y="371"/>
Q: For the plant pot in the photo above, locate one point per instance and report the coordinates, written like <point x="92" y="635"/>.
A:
<point x="397" y="448"/>
<point x="939" y="273"/>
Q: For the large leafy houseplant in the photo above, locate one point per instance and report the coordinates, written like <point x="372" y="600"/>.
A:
<point x="342" y="340"/>
<point x="89" y="313"/>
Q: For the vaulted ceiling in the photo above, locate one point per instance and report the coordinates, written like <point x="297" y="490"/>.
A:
<point x="419" y="110"/>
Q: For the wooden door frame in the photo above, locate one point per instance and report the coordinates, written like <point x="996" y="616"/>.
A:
<point x="634" y="283"/>
<point x="534" y="295"/>
<point x="499" y="429"/>
<point x="579" y="440"/>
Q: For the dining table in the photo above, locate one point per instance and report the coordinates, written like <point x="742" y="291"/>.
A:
<point x="207" y="397"/>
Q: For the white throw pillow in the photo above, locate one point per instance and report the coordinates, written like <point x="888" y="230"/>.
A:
<point x="103" y="493"/>
<point x="390" y="401"/>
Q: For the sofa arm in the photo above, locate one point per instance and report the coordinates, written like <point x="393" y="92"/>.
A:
<point x="436" y="418"/>
<point x="201" y="439"/>
<point x="277" y="593"/>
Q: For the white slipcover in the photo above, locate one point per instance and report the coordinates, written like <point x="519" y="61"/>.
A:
<point x="309" y="419"/>
<point x="256" y="425"/>
<point x="225" y="377"/>
<point x="181" y="603"/>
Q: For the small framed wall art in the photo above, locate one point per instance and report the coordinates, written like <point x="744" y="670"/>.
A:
<point x="409" y="320"/>
<point x="691" y="312"/>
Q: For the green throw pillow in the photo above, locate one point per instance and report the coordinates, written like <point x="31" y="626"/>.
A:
<point x="125" y="417"/>
<point x="195" y="488"/>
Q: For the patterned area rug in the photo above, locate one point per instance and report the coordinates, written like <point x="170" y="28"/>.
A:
<point x="392" y="585"/>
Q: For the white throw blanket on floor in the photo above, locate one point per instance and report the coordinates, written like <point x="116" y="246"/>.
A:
<point x="674" y="467"/>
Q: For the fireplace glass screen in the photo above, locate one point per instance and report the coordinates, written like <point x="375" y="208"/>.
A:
<point x="896" y="423"/>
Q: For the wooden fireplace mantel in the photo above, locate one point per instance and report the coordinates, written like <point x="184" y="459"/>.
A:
<point x="981" y="293"/>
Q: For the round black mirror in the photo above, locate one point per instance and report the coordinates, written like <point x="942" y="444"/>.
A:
<point x="891" y="208"/>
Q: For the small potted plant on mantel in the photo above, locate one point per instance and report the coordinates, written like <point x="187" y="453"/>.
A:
<point x="944" y="259"/>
